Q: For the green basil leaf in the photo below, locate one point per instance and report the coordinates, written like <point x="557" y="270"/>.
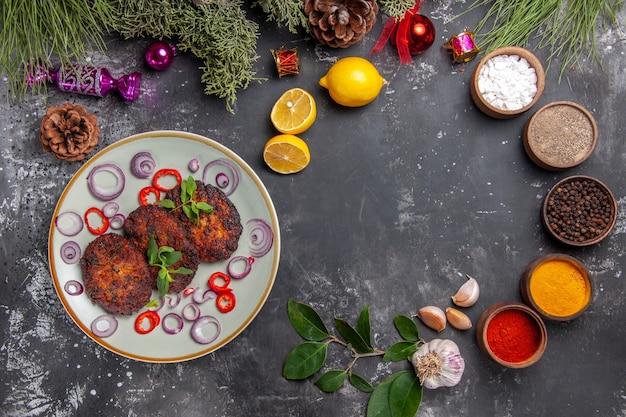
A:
<point x="191" y="186"/>
<point x="331" y="381"/>
<point x="188" y="212"/>
<point x="400" y="351"/>
<point x="166" y="203"/>
<point x="182" y="270"/>
<point x="378" y="404"/>
<point x="165" y="249"/>
<point x="305" y="359"/>
<point x="405" y="395"/>
<point x="162" y="285"/>
<point x="360" y="383"/>
<point x="306" y="322"/>
<point x="352" y="337"/>
<point x="407" y="328"/>
<point x="172" y="257"/>
<point x="187" y="189"/>
<point x="153" y="252"/>
<point x="363" y="326"/>
<point x="202" y="206"/>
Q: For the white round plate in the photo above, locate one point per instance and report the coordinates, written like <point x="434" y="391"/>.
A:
<point x="170" y="149"/>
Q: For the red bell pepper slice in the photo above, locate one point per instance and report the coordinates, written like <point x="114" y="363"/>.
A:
<point x="151" y="317"/>
<point x="225" y="301"/>
<point x="214" y="282"/>
<point x="104" y="226"/>
<point x="163" y="173"/>
<point x="146" y="192"/>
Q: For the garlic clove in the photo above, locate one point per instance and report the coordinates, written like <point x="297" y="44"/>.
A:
<point x="467" y="294"/>
<point x="433" y="317"/>
<point x="458" y="319"/>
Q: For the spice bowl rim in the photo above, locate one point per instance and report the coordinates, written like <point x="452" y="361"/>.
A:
<point x="527" y="275"/>
<point x="536" y="158"/>
<point x="589" y="242"/>
<point x="490" y="313"/>
<point x="493" y="111"/>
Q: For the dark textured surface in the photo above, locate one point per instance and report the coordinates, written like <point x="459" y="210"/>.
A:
<point x="402" y="198"/>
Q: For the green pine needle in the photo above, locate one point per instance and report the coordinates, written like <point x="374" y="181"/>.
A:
<point x="287" y="12"/>
<point x="47" y="32"/>
<point x="396" y="8"/>
<point x="566" y="27"/>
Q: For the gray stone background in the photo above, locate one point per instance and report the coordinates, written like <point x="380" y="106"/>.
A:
<point x="403" y="197"/>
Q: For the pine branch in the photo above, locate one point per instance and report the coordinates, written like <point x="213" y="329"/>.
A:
<point x="217" y="32"/>
<point x="396" y="8"/>
<point x="287" y="12"/>
<point x="47" y="32"/>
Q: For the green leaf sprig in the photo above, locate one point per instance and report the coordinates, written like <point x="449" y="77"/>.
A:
<point x="398" y="395"/>
<point x="189" y="206"/>
<point x="164" y="257"/>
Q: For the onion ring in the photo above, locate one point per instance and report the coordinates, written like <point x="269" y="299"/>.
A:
<point x="117" y="222"/>
<point x="261" y="237"/>
<point x="234" y="177"/>
<point x="172" y="330"/>
<point x="194" y="165"/>
<point x="197" y="327"/>
<point x="110" y="209"/>
<point x="174" y="300"/>
<point x="202" y="297"/>
<point x="69" y="223"/>
<point x="191" y="312"/>
<point x="106" y="194"/>
<point x="222" y="180"/>
<point x="73" y="287"/>
<point x="70" y="252"/>
<point x="106" y="318"/>
<point x="142" y="165"/>
<point x="236" y="272"/>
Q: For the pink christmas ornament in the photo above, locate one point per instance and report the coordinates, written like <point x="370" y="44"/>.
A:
<point x="160" y="55"/>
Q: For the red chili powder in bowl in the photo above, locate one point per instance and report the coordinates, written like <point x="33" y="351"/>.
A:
<point x="513" y="336"/>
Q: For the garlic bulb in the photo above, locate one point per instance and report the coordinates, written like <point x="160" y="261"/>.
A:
<point x="467" y="295"/>
<point x="438" y="363"/>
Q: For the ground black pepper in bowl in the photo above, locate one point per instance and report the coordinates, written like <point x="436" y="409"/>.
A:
<point x="579" y="211"/>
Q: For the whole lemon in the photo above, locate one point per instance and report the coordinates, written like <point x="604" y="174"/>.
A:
<point x="353" y="82"/>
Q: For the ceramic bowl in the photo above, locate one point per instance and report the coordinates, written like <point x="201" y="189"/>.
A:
<point x="560" y="135"/>
<point x="584" y="229"/>
<point x="573" y="302"/>
<point x="484" y="105"/>
<point x="490" y="320"/>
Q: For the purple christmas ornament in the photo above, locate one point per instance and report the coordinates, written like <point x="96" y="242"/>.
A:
<point x="85" y="79"/>
<point x="160" y="55"/>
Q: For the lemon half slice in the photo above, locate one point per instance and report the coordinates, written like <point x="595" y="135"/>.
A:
<point x="286" y="154"/>
<point x="294" y="112"/>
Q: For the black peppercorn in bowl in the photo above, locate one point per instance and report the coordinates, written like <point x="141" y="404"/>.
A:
<point x="579" y="211"/>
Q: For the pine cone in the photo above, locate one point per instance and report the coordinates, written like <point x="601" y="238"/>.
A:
<point x="69" y="132"/>
<point x="340" y="23"/>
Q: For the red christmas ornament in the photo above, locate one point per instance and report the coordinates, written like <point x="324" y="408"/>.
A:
<point x="422" y="34"/>
<point x="160" y="55"/>
<point x="411" y="35"/>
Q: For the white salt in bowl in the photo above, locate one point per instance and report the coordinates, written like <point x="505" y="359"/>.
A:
<point x="507" y="82"/>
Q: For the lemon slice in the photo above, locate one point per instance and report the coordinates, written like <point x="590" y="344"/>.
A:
<point x="294" y="112"/>
<point x="286" y="154"/>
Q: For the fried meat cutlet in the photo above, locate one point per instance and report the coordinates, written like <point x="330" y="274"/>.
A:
<point x="216" y="236"/>
<point x="168" y="230"/>
<point x="116" y="274"/>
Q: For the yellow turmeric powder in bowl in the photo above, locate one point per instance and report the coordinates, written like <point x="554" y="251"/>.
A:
<point x="557" y="286"/>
